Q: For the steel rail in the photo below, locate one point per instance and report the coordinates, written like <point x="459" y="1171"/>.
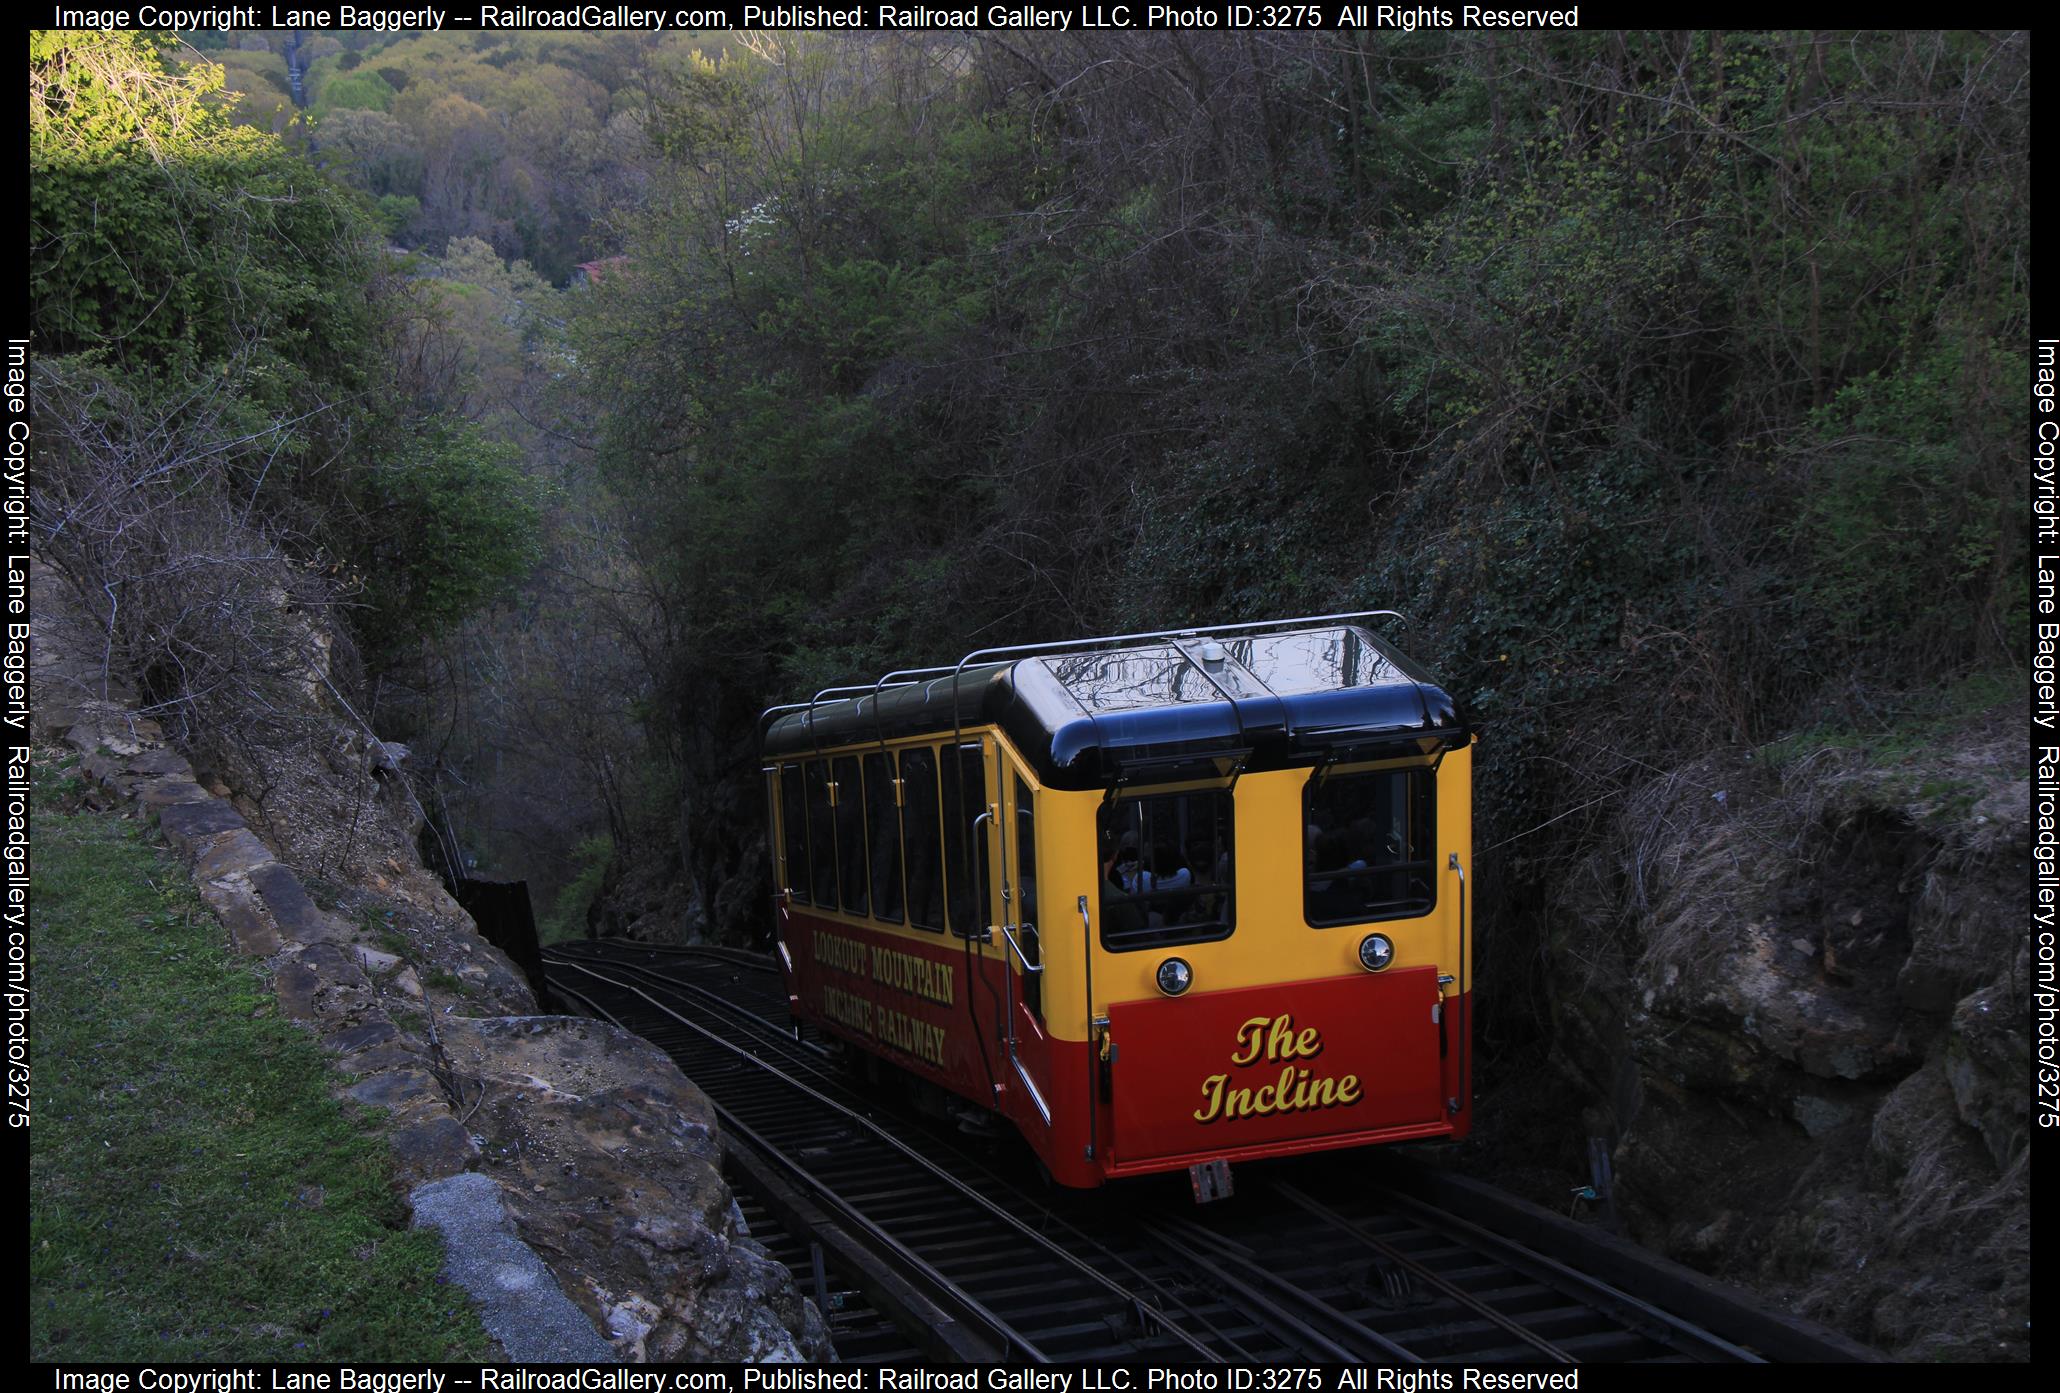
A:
<point x="1194" y="1243"/>
<point x="991" y="1336"/>
<point x="605" y="948"/>
<point x="1147" y="1316"/>
<point x="773" y="1034"/>
<point x="1426" y="1275"/>
<point x="1049" y="1219"/>
<point x="1633" y="1314"/>
<point x="1271" y="1300"/>
<point x="863" y="1327"/>
<point x="943" y="1177"/>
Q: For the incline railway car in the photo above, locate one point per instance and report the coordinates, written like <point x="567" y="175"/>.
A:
<point x="1162" y="901"/>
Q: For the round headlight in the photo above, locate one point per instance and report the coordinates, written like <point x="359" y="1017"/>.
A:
<point x="1375" y="952"/>
<point x="1175" y="976"/>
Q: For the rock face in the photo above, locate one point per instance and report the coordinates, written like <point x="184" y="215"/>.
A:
<point x="648" y="897"/>
<point x="607" y="1158"/>
<point x="612" y="1169"/>
<point x="1804" y="1028"/>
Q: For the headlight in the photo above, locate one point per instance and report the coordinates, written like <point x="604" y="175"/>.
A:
<point x="1375" y="952"/>
<point x="1175" y="976"/>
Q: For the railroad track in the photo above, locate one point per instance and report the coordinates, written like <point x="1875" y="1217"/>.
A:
<point x="860" y="1330"/>
<point x="1310" y="1262"/>
<point x="970" y="1278"/>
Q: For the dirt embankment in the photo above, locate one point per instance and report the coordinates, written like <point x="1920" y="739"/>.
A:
<point x="1791" y="994"/>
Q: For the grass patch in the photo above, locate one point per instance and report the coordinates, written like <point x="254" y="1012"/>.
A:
<point x="443" y="981"/>
<point x="1900" y="729"/>
<point x="194" y="1191"/>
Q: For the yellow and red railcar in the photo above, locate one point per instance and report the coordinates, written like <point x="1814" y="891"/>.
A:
<point x="1162" y="901"/>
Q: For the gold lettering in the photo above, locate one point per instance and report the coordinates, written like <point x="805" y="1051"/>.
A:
<point x="911" y="973"/>
<point x="1279" y="1036"/>
<point x="839" y="952"/>
<point x="1284" y="1042"/>
<point x="1251" y="1037"/>
<point x="893" y="1028"/>
<point x="1275" y="1040"/>
<point x="846" y="1009"/>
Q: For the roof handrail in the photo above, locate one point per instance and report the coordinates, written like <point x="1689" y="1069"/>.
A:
<point x="1024" y="650"/>
<point x="843" y="693"/>
<point x="1027" y="649"/>
<point x="912" y="676"/>
<point x="765" y="716"/>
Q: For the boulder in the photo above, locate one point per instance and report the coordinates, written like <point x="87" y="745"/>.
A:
<point x="1798" y="1014"/>
<point x="611" y="1165"/>
<point x="1987" y="1060"/>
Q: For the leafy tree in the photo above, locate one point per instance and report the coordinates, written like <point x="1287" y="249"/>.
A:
<point x="162" y="236"/>
<point x="356" y="91"/>
<point x="370" y="150"/>
<point x="450" y="522"/>
<point x="218" y="324"/>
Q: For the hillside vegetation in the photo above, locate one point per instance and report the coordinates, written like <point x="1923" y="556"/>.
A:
<point x="528" y="142"/>
<point x="248" y="456"/>
<point x="558" y="402"/>
<point x="1664" y="382"/>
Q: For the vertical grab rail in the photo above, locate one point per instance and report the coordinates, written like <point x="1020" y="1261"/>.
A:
<point x="1011" y="907"/>
<point x="1087" y="966"/>
<point x="997" y="815"/>
<point x="980" y="915"/>
<point x="1465" y="1034"/>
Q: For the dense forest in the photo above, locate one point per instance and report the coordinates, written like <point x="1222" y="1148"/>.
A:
<point x="1665" y="382"/>
<point x="587" y="394"/>
<point x="528" y="142"/>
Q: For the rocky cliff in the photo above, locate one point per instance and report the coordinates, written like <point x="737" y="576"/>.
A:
<point x="1790" y="993"/>
<point x="606" y="1161"/>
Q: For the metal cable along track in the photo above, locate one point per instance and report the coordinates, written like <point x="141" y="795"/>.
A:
<point x="1279" y="1274"/>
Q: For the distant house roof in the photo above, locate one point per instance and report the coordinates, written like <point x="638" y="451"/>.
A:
<point x="587" y="272"/>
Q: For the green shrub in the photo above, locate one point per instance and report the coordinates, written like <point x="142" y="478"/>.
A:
<point x="451" y="523"/>
<point x="568" y="916"/>
<point x="1900" y="550"/>
<point x="397" y="211"/>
